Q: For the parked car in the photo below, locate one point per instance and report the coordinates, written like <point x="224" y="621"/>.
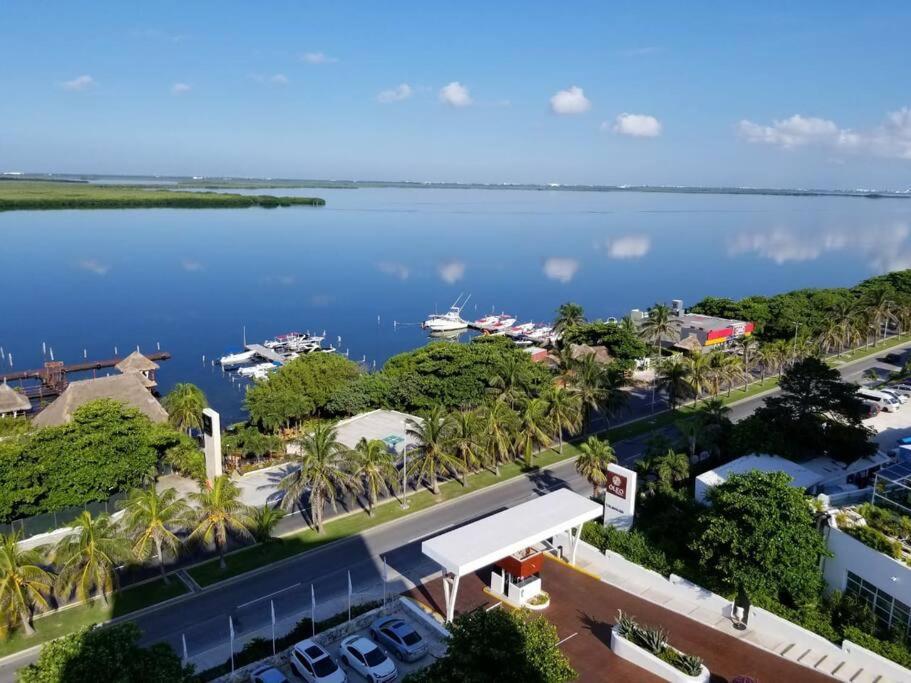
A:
<point x="312" y="663"/>
<point x="885" y="402"/>
<point x="400" y="637"/>
<point x="268" y="674"/>
<point x="903" y="389"/>
<point x="363" y="655"/>
<point x="894" y="394"/>
<point x="872" y="409"/>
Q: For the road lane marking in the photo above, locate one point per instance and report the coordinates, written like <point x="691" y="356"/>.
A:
<point x="271" y="595"/>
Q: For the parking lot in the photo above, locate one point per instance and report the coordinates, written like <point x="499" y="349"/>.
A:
<point x="331" y="641"/>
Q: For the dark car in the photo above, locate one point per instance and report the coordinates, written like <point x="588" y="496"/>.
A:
<point x="268" y="674"/>
<point x="400" y="638"/>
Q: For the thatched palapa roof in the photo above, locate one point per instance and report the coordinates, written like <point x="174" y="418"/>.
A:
<point x="11" y="401"/>
<point x="691" y="343"/>
<point x="136" y="362"/>
<point x="128" y="388"/>
<point x="580" y="351"/>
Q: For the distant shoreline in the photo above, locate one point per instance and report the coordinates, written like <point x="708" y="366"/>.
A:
<point x="229" y="183"/>
<point x="31" y="195"/>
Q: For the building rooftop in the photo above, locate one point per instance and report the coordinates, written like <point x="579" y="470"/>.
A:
<point x="11" y="401"/>
<point x="801" y="476"/>
<point x="385" y="425"/>
<point x="127" y="388"/>
<point x="136" y="362"/>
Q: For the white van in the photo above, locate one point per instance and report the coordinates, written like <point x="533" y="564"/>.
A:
<point x="884" y="401"/>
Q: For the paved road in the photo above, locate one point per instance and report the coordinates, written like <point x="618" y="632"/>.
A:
<point x="203" y="617"/>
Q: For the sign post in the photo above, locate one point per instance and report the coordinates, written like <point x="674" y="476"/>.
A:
<point x="211" y="429"/>
<point x="620" y="497"/>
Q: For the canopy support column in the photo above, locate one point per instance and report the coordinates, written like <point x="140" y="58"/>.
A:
<point x="574" y="534"/>
<point x="450" y="592"/>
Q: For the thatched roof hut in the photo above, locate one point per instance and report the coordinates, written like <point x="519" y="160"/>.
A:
<point x="128" y="388"/>
<point x="580" y="351"/>
<point x="12" y="402"/>
<point x="136" y="362"/>
<point x="690" y="344"/>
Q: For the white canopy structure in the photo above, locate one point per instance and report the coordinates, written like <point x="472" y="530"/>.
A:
<point x="479" y="544"/>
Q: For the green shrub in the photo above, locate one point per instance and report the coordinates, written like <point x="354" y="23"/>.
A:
<point x="876" y="539"/>
<point x="897" y="652"/>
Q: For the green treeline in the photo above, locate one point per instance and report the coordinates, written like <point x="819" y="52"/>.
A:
<point x="39" y="195"/>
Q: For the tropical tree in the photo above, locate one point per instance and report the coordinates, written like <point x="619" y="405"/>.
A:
<point x="509" y="383"/>
<point x="374" y="466"/>
<point x="564" y="412"/>
<point x="732" y="370"/>
<point x="24" y="584"/>
<point x="568" y="315"/>
<point x="434" y="455"/>
<point x="263" y="520"/>
<point x="323" y="471"/>
<point x="661" y="323"/>
<point x="88" y="557"/>
<point x="499" y="424"/>
<point x="588" y="385"/>
<point x="594" y="457"/>
<point x="880" y="307"/>
<point x="673" y="378"/>
<point x="184" y="404"/>
<point x="535" y="430"/>
<point x="672" y="468"/>
<point x="466" y="440"/>
<point x="614" y="397"/>
<point x="151" y="520"/>
<point x="700" y="373"/>
<point x="219" y="515"/>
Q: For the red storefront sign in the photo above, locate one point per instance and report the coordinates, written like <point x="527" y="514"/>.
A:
<point x="616" y="484"/>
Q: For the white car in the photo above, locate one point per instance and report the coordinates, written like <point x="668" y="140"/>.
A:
<point x="900" y="389"/>
<point x="902" y="398"/>
<point x="365" y="657"/>
<point x="312" y="663"/>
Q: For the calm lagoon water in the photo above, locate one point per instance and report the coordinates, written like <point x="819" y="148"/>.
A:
<point x="191" y="279"/>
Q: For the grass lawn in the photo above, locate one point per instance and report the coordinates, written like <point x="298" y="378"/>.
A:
<point x="868" y="351"/>
<point x="35" y="195"/>
<point x="68" y="620"/>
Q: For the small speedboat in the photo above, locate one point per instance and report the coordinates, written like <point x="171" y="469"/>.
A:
<point x="252" y="370"/>
<point x="236" y="358"/>
<point x="449" y="321"/>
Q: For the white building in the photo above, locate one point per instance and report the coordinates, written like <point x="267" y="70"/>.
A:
<point x="819" y="475"/>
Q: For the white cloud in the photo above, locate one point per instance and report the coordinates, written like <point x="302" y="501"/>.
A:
<point x="641" y="51"/>
<point x="192" y="266"/>
<point x="278" y="79"/>
<point x="318" y="58"/>
<point x="890" y="139"/>
<point x="561" y="269"/>
<point x="455" y="95"/>
<point x="180" y="88"/>
<point x="570" y="101"/>
<point x="83" y="82"/>
<point x="635" y="125"/>
<point x="451" y="272"/>
<point x="321" y="300"/>
<point x="95" y="267"/>
<point x="397" y="270"/>
<point x="400" y="92"/>
<point x="627" y="247"/>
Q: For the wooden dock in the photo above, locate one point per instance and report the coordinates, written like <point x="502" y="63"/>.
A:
<point x="264" y="353"/>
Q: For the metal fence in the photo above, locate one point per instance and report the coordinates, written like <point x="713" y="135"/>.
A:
<point x="51" y="521"/>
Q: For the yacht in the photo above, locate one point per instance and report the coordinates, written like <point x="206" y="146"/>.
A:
<point x="253" y="370"/>
<point x="449" y="321"/>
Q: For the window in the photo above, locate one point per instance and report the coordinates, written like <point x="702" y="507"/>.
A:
<point x="890" y="613"/>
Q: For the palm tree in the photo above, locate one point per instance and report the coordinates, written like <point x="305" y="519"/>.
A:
<point x="185" y="403"/>
<point x="613" y="396"/>
<point x="879" y="306"/>
<point x="466" y="442"/>
<point x="24" y="583"/>
<point x="323" y="471"/>
<point x="564" y="412"/>
<point x="594" y="457"/>
<point x="220" y="514"/>
<point x="509" y="383"/>
<point x="587" y="384"/>
<point x="499" y="424"/>
<point x="88" y="557"/>
<point x="747" y="346"/>
<point x="672" y="468"/>
<point x="846" y="315"/>
<point x="674" y="379"/>
<point x="732" y="370"/>
<point x="661" y="323"/>
<point x="374" y="466"/>
<point x="433" y="448"/>
<point x="627" y="325"/>
<point x="568" y="315"/>
<point x="713" y="410"/>
<point x="263" y="520"/>
<point x="151" y="520"/>
<point x="534" y="428"/>
<point x="700" y="373"/>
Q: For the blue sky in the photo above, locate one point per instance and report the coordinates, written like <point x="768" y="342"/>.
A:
<point x="811" y="94"/>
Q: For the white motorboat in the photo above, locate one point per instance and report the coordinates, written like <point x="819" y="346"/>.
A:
<point x="237" y="358"/>
<point x="504" y="322"/>
<point x="487" y="322"/>
<point x="252" y="370"/>
<point x="449" y="321"/>
<point x="520" y="330"/>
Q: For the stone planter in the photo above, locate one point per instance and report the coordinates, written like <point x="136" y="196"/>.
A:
<point x="644" y="659"/>
<point x="544" y="604"/>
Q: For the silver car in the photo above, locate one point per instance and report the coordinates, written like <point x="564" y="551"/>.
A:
<point x="400" y="638"/>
